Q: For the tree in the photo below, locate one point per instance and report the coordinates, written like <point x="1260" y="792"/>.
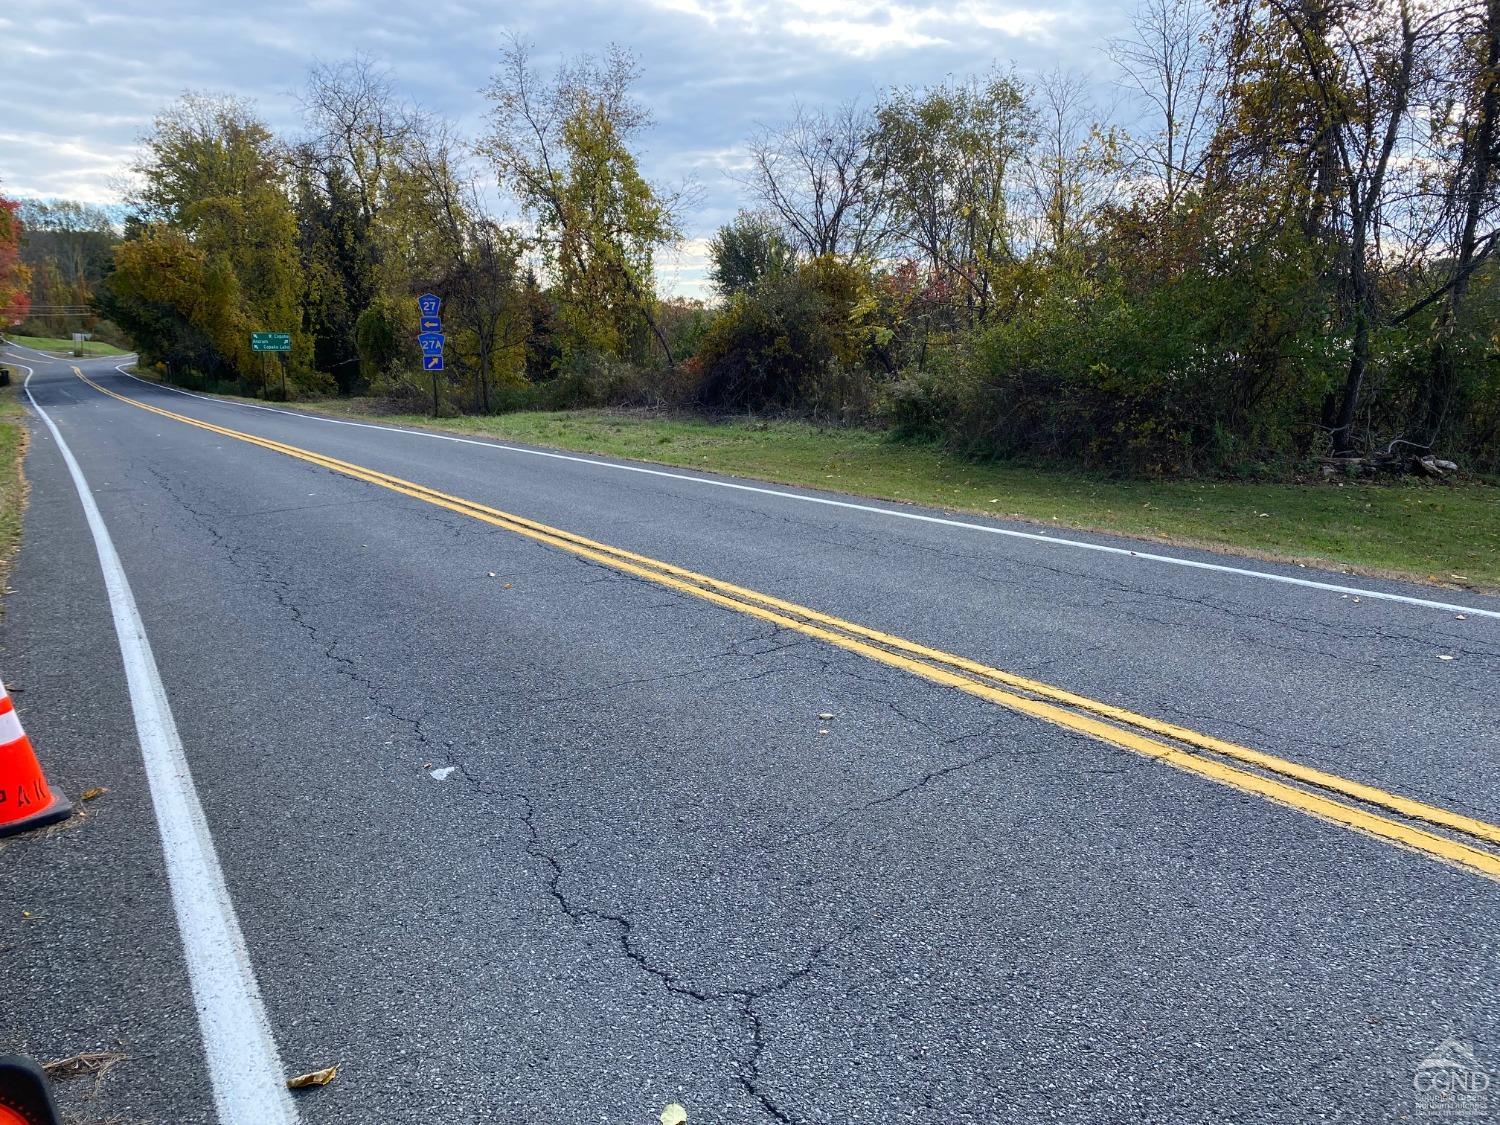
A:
<point x="1359" y="69"/>
<point x="818" y="175"/>
<point x="1073" y="168"/>
<point x="1173" y="64"/>
<point x="358" y="126"/>
<point x="1464" y="154"/>
<point x="467" y="257"/>
<point x="159" y="293"/>
<point x="563" y="149"/>
<point x="15" y="277"/>
<point x="213" y="172"/>
<point x="338" y="258"/>
<point x="947" y="157"/>
<point x="77" y="238"/>
<point x="203" y="146"/>
<point x="69" y="248"/>
<point x="744" y="251"/>
<point x="791" y="342"/>
<point x="349" y="171"/>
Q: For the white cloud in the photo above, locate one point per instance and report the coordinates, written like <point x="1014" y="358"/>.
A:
<point x="683" y="271"/>
<point x="83" y="78"/>
<point x="864" y="30"/>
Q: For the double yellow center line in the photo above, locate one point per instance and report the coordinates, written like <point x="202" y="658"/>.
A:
<point x="1440" y="833"/>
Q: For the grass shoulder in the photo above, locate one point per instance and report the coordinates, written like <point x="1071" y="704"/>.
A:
<point x="60" y="347"/>
<point x="12" y="483"/>
<point x="1444" y="534"/>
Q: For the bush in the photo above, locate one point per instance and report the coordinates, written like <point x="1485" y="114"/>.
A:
<point x="385" y="333"/>
<point x="792" y="342"/>
<point x="921" y="406"/>
<point x="1205" y="373"/>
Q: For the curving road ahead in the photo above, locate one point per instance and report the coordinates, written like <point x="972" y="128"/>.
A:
<point x="541" y="789"/>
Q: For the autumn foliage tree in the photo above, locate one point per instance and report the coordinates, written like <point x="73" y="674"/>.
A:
<point x="563" y="147"/>
<point x="15" y="277"/>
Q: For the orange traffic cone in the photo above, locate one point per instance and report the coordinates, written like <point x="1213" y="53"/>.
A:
<point x="25" y="800"/>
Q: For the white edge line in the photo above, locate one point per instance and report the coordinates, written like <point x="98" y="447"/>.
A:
<point x="243" y="1063"/>
<point x="1032" y="536"/>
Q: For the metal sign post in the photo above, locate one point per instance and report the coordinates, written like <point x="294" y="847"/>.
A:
<point x="430" y="337"/>
<point x="268" y="342"/>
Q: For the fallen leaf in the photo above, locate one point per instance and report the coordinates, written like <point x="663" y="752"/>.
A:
<point x="826" y="715"/>
<point x="313" y="1078"/>
<point x="1460" y="617"/>
<point x="507" y="585"/>
<point x="1444" y="656"/>
<point x="823" y="732"/>
<point x="674" y="1114"/>
<point x="91" y="794"/>
<point x="492" y="574"/>
<point x="1460" y="577"/>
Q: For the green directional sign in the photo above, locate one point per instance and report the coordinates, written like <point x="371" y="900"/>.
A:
<point x="270" y="341"/>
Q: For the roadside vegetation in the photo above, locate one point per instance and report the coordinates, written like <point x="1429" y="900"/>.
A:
<point x="15" y="278"/>
<point x="1283" y="273"/>
<point x="12" y="483"/>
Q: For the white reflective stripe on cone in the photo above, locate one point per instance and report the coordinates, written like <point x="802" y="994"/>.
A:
<point x="10" y="728"/>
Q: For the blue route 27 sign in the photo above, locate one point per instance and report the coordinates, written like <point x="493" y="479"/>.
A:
<point x="430" y="337"/>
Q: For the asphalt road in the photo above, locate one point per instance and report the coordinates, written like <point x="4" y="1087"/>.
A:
<point x="656" y="874"/>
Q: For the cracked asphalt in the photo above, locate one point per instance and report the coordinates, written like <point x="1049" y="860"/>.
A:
<point x="651" y="876"/>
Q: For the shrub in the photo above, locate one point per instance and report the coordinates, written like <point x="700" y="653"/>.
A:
<point x="792" y="342"/>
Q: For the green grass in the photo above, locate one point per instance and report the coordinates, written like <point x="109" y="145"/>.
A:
<point x="54" y="344"/>
<point x="12" y="485"/>
<point x="1448" y="534"/>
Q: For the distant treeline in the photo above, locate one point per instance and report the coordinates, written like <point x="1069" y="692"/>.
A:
<point x="1291" y="254"/>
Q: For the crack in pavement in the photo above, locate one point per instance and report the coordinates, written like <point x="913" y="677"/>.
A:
<point x="762" y="641"/>
<point x="928" y="777"/>
<point x="742" y="1001"/>
<point x="261" y="568"/>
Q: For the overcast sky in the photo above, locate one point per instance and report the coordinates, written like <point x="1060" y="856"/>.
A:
<point x="81" y="79"/>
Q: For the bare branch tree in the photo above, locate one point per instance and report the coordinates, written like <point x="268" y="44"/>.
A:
<point x="1072" y="166"/>
<point x="817" y="175"/>
<point x="358" y="124"/>
<point x="1173" y="65"/>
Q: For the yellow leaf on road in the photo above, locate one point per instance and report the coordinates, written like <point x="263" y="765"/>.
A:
<point x="313" y="1078"/>
<point x="674" y="1114"/>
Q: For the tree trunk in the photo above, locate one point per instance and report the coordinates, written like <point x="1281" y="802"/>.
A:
<point x="1359" y="352"/>
<point x="1442" y="378"/>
